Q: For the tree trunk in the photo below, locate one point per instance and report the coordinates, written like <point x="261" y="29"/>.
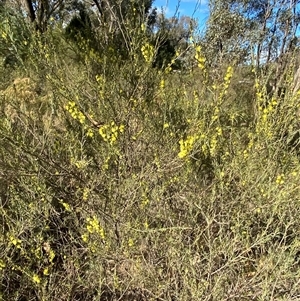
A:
<point x="31" y="11"/>
<point x="296" y="84"/>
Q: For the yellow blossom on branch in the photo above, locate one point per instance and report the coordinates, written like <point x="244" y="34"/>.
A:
<point x="186" y="146"/>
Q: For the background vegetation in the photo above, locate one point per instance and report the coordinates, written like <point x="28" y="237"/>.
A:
<point x="140" y="160"/>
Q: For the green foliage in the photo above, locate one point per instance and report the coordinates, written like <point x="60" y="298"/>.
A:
<point x="120" y="181"/>
<point x="227" y="35"/>
<point x="15" y="37"/>
<point x="261" y="31"/>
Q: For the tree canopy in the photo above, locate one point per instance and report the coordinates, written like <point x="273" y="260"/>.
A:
<point x="237" y="28"/>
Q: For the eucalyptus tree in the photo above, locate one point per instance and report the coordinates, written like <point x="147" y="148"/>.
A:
<point x="267" y="29"/>
<point x="226" y="35"/>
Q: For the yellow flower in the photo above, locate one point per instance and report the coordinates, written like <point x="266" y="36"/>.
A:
<point x="81" y="117"/>
<point x="85" y="237"/>
<point x="2" y="265"/>
<point x="200" y="58"/>
<point x="66" y="206"/>
<point x="90" y="133"/>
<point x="85" y="194"/>
<point x="228" y="74"/>
<point x="280" y="179"/>
<point x="51" y="256"/>
<point x="130" y="242"/>
<point x="121" y="128"/>
<point x="145" y="202"/>
<point x="36" y="279"/>
<point x="148" y="52"/>
<point x="186" y="146"/>
<point x="15" y="241"/>
<point x="4" y="35"/>
<point x="219" y="131"/>
<point x="110" y="133"/>
<point x="93" y="226"/>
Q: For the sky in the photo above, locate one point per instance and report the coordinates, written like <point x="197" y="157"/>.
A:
<point x="197" y="9"/>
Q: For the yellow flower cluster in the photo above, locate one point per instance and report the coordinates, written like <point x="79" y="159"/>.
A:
<point x="265" y="122"/>
<point x="214" y="141"/>
<point x="99" y="78"/>
<point x="143" y="27"/>
<point x="148" y="52"/>
<point x="15" y="241"/>
<point x="105" y="165"/>
<point x="269" y="109"/>
<point x="101" y="83"/>
<point x="5" y="30"/>
<point x="130" y="242"/>
<point x="216" y="114"/>
<point x="2" y="264"/>
<point x="227" y="81"/>
<point x="93" y="226"/>
<point x="259" y="94"/>
<point x="72" y="108"/>
<point x="166" y="125"/>
<point x="200" y="58"/>
<point x="80" y="164"/>
<point x="280" y="179"/>
<point x="66" y="206"/>
<point x="85" y="194"/>
<point x="76" y="114"/>
<point x="36" y="279"/>
<point x="186" y="146"/>
<point x="4" y="35"/>
<point x="145" y="200"/>
<point x="228" y="77"/>
<point x="110" y="132"/>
